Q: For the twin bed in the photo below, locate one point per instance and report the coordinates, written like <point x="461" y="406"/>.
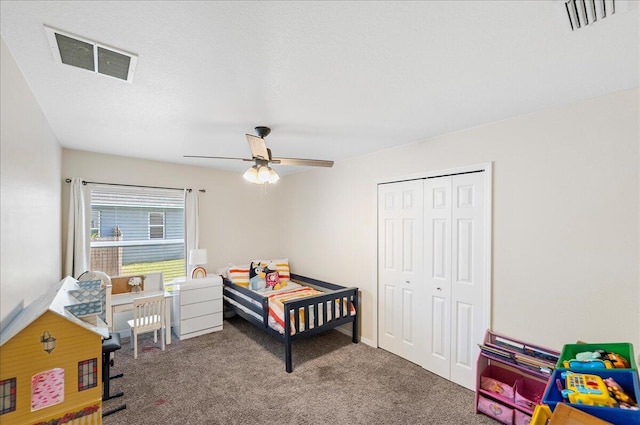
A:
<point x="305" y="307"/>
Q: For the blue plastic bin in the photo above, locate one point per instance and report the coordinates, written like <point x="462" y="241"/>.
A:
<point x="627" y="379"/>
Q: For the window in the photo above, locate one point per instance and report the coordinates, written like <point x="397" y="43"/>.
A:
<point x="141" y="231"/>
<point x="156" y="225"/>
<point x="95" y="223"/>
<point x="7" y="395"/>
<point x="87" y="374"/>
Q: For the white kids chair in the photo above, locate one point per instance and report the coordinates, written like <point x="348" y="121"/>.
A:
<point x="148" y="315"/>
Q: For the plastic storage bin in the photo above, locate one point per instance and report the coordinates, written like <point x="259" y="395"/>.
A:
<point x="627" y="379"/>
<point x="529" y="392"/>
<point x="541" y="415"/>
<point x="569" y="352"/>
<point x="497" y="411"/>
<point x="499" y="381"/>
<point x="520" y="418"/>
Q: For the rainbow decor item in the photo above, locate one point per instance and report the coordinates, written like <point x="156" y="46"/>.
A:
<point x="198" y="272"/>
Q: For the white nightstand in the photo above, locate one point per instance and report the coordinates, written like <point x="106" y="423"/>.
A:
<point x="197" y="306"/>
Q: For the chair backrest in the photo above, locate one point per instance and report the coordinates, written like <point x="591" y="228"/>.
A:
<point x="148" y="313"/>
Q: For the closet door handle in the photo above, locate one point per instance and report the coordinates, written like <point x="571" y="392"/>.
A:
<point x="439" y="288"/>
<point x="408" y="281"/>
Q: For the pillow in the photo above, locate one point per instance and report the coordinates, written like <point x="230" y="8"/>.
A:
<point x="239" y="275"/>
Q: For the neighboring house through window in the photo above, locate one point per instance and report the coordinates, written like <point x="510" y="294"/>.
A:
<point x="141" y="230"/>
<point x="156" y="225"/>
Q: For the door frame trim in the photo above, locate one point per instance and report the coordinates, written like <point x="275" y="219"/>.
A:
<point x="487" y="168"/>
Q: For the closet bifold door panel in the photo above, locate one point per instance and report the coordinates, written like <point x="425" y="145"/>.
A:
<point x="401" y="290"/>
<point x="437" y="225"/>
<point x="454" y="235"/>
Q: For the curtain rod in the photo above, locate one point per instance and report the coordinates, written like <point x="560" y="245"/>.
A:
<point x="135" y="185"/>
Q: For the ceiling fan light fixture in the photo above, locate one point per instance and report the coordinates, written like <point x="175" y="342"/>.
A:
<point x="251" y="175"/>
<point x="261" y="172"/>
<point x="263" y="175"/>
<point x="273" y="176"/>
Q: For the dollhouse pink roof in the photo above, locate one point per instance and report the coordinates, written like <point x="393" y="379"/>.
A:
<point x="54" y="300"/>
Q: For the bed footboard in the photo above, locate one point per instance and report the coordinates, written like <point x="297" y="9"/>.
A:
<point x="343" y="309"/>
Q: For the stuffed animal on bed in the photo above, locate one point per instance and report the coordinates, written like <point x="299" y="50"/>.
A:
<point x="273" y="278"/>
<point x="257" y="276"/>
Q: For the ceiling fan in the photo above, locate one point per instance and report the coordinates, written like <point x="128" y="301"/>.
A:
<point x="261" y="172"/>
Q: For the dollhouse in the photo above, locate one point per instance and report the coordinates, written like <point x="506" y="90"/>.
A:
<point x="50" y="358"/>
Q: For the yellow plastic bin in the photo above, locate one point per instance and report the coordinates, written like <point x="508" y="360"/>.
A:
<point x="541" y="414"/>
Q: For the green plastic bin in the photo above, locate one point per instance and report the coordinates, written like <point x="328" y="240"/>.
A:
<point x="624" y="349"/>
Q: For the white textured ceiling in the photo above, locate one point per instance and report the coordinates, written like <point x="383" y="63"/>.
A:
<point x="332" y="79"/>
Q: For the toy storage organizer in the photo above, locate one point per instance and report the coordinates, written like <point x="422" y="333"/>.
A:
<point x="511" y="378"/>
<point x="570" y="351"/>
<point x="626" y="378"/>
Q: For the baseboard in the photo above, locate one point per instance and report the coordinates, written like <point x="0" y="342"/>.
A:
<point x="366" y="341"/>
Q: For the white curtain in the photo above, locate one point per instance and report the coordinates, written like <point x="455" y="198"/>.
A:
<point x="78" y="238"/>
<point x="190" y="224"/>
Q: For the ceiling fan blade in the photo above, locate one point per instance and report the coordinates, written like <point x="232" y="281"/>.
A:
<point x="257" y="146"/>
<point x="216" y="157"/>
<point x="303" y="162"/>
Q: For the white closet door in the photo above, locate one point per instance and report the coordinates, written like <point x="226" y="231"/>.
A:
<point x="468" y="266"/>
<point x="454" y="268"/>
<point x="401" y="326"/>
<point x="437" y="219"/>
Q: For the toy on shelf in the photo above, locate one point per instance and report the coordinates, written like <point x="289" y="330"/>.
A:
<point x="601" y="392"/>
<point x="598" y="359"/>
<point x="586" y="389"/>
<point x="617" y="360"/>
<point x="624" y="401"/>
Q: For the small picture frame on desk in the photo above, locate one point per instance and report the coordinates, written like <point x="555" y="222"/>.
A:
<point x="198" y="272"/>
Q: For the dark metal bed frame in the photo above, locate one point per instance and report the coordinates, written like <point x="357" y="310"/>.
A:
<point x="331" y="292"/>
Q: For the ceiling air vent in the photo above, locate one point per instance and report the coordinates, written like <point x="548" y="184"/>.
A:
<point x="86" y="54"/>
<point x="584" y="12"/>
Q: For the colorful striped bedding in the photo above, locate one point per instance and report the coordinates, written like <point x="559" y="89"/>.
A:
<point x="276" y="308"/>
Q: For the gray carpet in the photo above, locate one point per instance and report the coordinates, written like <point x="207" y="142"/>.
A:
<point x="237" y="376"/>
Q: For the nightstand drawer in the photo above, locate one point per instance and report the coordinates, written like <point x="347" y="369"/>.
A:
<point x="200" y="323"/>
<point x="201" y="309"/>
<point x="200" y="294"/>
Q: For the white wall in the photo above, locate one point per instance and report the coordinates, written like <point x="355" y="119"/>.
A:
<point x="236" y="223"/>
<point x="565" y="219"/>
<point x="565" y="228"/>
<point x="30" y="194"/>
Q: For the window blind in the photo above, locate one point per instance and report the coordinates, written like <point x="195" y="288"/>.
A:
<point x="137" y="231"/>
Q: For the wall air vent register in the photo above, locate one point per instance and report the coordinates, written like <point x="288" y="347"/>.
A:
<point x="86" y="54"/>
<point x="584" y="12"/>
